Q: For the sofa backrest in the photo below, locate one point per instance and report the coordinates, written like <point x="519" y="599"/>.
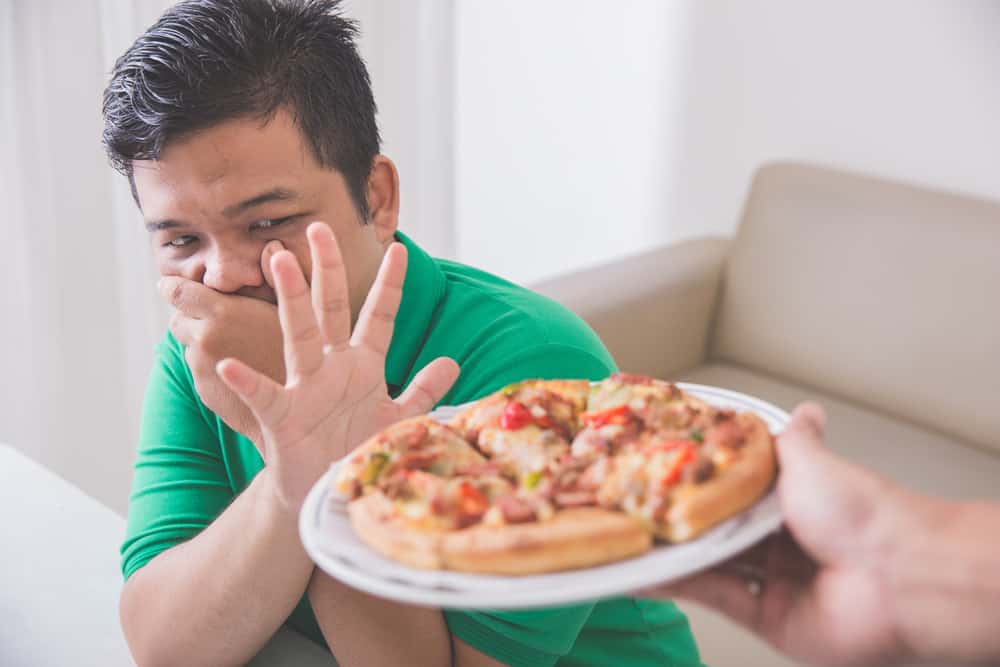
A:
<point x="883" y="293"/>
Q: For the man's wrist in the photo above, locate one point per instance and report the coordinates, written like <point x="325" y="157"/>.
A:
<point x="273" y="501"/>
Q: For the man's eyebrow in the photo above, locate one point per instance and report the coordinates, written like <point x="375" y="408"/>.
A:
<point x="277" y="194"/>
<point x="158" y="225"/>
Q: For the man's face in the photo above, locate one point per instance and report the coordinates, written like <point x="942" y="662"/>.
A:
<point x="214" y="200"/>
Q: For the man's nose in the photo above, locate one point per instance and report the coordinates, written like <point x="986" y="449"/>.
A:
<point x="228" y="270"/>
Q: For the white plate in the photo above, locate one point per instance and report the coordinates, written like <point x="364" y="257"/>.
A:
<point x="328" y="538"/>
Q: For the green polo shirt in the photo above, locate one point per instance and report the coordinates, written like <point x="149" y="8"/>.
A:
<point x="191" y="465"/>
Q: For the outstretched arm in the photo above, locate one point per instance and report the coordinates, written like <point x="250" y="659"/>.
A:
<point x="867" y="572"/>
<point x="334" y="397"/>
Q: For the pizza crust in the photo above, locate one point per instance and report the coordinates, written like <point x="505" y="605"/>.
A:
<point x="573" y="538"/>
<point x="697" y="507"/>
<point x="374" y="519"/>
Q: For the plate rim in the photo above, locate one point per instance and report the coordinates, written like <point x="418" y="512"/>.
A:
<point x="528" y="595"/>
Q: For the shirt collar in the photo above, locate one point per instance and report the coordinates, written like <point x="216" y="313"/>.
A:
<point x="423" y="288"/>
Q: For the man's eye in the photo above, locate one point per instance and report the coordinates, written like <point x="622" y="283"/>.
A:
<point x="181" y="241"/>
<point x="270" y="224"/>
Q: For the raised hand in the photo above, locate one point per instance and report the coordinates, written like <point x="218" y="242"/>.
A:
<point x="335" y="393"/>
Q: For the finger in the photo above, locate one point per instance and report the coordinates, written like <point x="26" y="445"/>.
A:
<point x="188" y="296"/>
<point x="303" y="342"/>
<point x="824" y="496"/>
<point x="428" y="387"/>
<point x="378" y="316"/>
<point x="270" y="250"/>
<point x="722" y="590"/>
<point x="812" y="416"/>
<point x="187" y="330"/>
<point x="265" y="397"/>
<point x="330" y="299"/>
<point x="803" y="437"/>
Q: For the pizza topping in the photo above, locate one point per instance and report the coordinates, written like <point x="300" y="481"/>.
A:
<point x="471" y="501"/>
<point x="685" y="455"/>
<point x="516" y="510"/>
<point x="725" y="434"/>
<point x="617" y="415"/>
<point x="631" y="378"/>
<point x="511" y="389"/>
<point x="515" y="416"/>
<point x="698" y="435"/>
<point x="420" y="460"/>
<point x="699" y="471"/>
<point x="478" y="469"/>
<point x="575" y="498"/>
<point x="595" y="474"/>
<point x="415" y="435"/>
<point x="376" y="464"/>
<point x="532" y="479"/>
<point x="671" y="444"/>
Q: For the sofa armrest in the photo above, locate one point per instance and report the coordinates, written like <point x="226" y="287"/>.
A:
<point x="654" y="310"/>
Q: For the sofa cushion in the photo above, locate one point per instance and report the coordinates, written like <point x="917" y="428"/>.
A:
<point x="920" y="459"/>
<point x="637" y="303"/>
<point x="882" y="292"/>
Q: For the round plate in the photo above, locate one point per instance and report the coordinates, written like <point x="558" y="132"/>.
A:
<point x="331" y="542"/>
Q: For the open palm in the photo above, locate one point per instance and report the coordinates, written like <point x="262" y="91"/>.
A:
<point x="335" y="393"/>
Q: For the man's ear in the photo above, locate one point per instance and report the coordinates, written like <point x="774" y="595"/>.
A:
<point x="383" y="199"/>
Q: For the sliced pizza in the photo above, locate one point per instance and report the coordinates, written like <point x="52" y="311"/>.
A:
<point x="526" y="426"/>
<point x="680" y="485"/>
<point x="420" y="443"/>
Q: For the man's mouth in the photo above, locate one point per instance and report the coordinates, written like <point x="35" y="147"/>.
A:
<point x="264" y="293"/>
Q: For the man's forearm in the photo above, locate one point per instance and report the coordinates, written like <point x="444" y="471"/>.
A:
<point x="945" y="580"/>
<point x="218" y="598"/>
<point x="364" y="630"/>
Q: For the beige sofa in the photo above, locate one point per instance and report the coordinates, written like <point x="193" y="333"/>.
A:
<point x="879" y="299"/>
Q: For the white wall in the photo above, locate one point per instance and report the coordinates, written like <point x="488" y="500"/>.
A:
<point x="588" y="130"/>
<point x="566" y="112"/>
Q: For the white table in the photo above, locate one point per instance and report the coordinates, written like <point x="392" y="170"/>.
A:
<point x="60" y="577"/>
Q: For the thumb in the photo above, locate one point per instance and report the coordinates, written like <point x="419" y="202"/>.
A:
<point x="804" y="436"/>
<point x="828" y="502"/>
<point x="270" y="250"/>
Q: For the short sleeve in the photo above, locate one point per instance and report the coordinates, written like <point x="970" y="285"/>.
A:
<point x="180" y="483"/>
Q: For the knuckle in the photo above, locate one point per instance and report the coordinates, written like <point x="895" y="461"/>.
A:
<point x="176" y="293"/>
<point x="306" y="335"/>
<point x="334" y="304"/>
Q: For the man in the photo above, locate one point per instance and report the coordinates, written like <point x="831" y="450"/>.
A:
<point x="239" y="123"/>
<point x="869" y="573"/>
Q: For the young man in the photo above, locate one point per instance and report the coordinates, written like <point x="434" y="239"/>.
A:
<point x="239" y="123"/>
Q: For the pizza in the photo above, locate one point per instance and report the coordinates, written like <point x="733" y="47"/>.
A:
<point x="549" y="475"/>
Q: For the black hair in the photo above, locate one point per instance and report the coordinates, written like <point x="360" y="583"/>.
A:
<point x="208" y="61"/>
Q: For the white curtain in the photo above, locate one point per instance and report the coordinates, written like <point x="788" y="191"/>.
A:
<point x="80" y="314"/>
<point x="78" y="310"/>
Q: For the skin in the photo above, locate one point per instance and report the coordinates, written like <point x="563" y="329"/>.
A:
<point x="213" y="265"/>
<point x="867" y="572"/>
<point x="210" y="252"/>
